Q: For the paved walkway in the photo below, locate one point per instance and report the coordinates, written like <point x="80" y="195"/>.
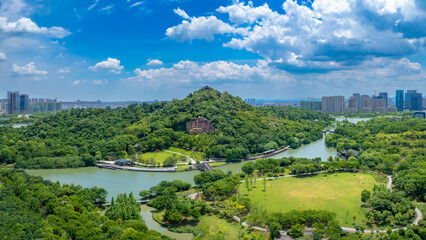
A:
<point x="189" y="158"/>
<point x="389" y="185"/>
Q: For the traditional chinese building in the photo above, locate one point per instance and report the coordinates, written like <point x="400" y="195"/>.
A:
<point x="199" y="125"/>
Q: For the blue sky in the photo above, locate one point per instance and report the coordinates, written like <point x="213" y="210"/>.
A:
<point x="164" y="49"/>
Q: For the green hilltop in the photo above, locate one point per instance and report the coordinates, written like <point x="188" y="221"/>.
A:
<point x="79" y="137"/>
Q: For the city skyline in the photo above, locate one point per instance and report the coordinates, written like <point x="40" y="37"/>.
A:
<point x="248" y="98"/>
<point x="134" y="50"/>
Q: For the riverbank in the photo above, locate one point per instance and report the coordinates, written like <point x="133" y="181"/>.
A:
<point x="113" y="166"/>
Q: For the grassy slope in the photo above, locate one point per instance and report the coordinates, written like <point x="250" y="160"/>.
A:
<point x="195" y="155"/>
<point x="339" y="193"/>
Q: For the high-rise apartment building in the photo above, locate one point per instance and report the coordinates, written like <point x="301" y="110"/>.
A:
<point x="366" y="104"/>
<point x="384" y="95"/>
<point x="408" y="97"/>
<point x="378" y="105"/>
<point x="333" y="104"/>
<point x="21" y="103"/>
<point x="352" y="105"/>
<point x="353" y="102"/>
<point x="311" y="105"/>
<point x="358" y="97"/>
<point x="416" y="102"/>
<point x="3" y="104"/>
<point x="12" y="102"/>
<point x="399" y="101"/>
<point x="24" y="103"/>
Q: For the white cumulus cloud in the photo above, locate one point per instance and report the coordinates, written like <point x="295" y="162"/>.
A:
<point x="26" y="25"/>
<point x="200" y="28"/>
<point x="111" y="64"/>
<point x="12" y="8"/>
<point x="181" y="13"/>
<point x="29" y="69"/>
<point x="331" y="35"/>
<point x="100" y="82"/>
<point x="2" y="56"/>
<point x="76" y="82"/>
<point x="218" y="71"/>
<point x="154" y="62"/>
<point x="64" y="70"/>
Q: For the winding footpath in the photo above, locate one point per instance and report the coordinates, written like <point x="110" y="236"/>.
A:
<point x="310" y="230"/>
<point x="189" y="158"/>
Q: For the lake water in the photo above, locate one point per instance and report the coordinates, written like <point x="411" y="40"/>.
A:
<point x="146" y="213"/>
<point x="352" y="120"/>
<point x="121" y="181"/>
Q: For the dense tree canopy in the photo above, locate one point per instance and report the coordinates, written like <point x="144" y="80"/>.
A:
<point x="389" y="208"/>
<point x="33" y="208"/>
<point x="395" y="146"/>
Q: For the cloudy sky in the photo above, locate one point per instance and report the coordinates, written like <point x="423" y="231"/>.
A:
<point x="164" y="49"/>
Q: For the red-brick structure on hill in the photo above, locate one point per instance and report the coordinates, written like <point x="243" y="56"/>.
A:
<point x="200" y="125"/>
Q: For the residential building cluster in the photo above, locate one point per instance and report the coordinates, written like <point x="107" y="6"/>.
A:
<point x="16" y="103"/>
<point x="411" y="100"/>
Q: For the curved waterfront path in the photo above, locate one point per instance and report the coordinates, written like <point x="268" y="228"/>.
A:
<point x="188" y="157"/>
<point x="419" y="216"/>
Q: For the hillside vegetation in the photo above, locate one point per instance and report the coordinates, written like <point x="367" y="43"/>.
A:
<point x="392" y="146"/>
<point x="79" y="137"/>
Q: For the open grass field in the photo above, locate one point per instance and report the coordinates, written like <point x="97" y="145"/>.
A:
<point x="339" y="193"/>
<point x="159" y="157"/>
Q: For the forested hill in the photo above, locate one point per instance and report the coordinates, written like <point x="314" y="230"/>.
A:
<point x="79" y="137"/>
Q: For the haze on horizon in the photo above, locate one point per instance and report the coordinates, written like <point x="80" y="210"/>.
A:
<point x="145" y="50"/>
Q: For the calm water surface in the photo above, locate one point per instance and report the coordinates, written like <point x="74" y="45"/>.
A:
<point x="146" y="213"/>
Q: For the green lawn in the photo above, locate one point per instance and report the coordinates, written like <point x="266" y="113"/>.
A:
<point x="181" y="168"/>
<point x="195" y="155"/>
<point x="339" y="193"/>
<point x="213" y="224"/>
<point x="159" y="157"/>
<point x="216" y="164"/>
